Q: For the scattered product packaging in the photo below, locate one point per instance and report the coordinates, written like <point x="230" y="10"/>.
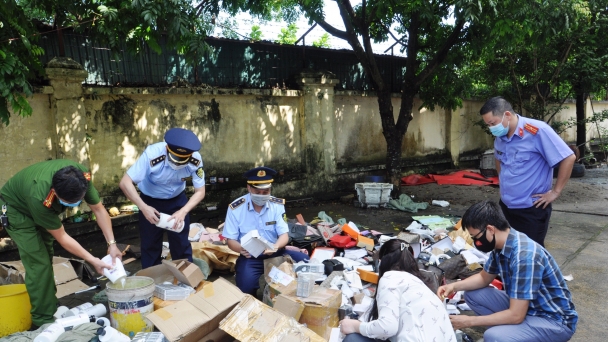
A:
<point x="253" y="243"/>
<point x="253" y="321"/>
<point x="185" y="271"/>
<point x="171" y="292"/>
<point x="320" y="310"/>
<point x="191" y="319"/>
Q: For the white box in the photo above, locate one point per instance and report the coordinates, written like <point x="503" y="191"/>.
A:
<point x="374" y="194"/>
<point x="255" y="244"/>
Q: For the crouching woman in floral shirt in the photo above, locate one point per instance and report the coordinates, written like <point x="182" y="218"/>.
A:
<point x="405" y="309"/>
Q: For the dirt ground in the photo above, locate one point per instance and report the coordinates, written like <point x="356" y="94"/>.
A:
<point x="587" y="195"/>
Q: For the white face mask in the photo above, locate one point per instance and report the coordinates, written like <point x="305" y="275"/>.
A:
<point x="177" y="167"/>
<point x="260" y="200"/>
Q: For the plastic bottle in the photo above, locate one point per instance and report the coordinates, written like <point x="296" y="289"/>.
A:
<point x="109" y="334"/>
<point x="104" y="322"/>
<point x="98" y="310"/>
<point x="50" y="334"/>
<point x="69" y="322"/>
<point x="61" y="311"/>
<point x="77" y="309"/>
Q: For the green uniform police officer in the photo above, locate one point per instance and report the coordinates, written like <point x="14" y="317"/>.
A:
<point x="33" y="199"/>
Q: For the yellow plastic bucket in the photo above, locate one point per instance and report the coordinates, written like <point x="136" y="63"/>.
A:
<point x="15" y="314"/>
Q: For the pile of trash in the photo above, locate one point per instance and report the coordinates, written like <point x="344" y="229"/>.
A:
<point x="304" y="301"/>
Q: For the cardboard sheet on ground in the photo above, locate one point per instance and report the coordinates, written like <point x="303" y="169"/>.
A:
<point x="218" y="257"/>
<point x="66" y="279"/>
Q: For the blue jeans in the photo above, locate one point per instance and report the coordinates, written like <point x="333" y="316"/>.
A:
<point x="489" y="300"/>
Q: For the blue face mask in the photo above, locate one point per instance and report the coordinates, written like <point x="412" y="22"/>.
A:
<point x="499" y="130"/>
<point x="70" y="204"/>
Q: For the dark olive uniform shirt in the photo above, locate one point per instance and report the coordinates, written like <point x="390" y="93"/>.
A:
<point x="29" y="193"/>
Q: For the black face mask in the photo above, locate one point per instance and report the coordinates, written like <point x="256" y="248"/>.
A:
<point x="482" y="244"/>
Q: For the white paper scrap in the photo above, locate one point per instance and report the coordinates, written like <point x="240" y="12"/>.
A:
<point x="280" y="277"/>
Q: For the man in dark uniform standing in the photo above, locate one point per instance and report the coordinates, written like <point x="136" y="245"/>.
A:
<point x="257" y="210"/>
<point x="526" y="152"/>
<point x="160" y="174"/>
<point x="32" y="199"/>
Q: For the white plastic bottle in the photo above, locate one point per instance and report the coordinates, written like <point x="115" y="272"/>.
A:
<point x="61" y="311"/>
<point x="109" y="334"/>
<point x="104" y="322"/>
<point x="99" y="310"/>
<point x="69" y="322"/>
<point x="77" y="309"/>
<point x="50" y="334"/>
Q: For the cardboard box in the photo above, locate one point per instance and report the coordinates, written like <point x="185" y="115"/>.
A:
<point x="159" y="303"/>
<point x="253" y="243"/>
<point x="289" y="306"/>
<point x="368" y="276"/>
<point x="66" y="279"/>
<point x="365" y="242"/>
<point x="185" y="271"/>
<point x="273" y="289"/>
<point x="160" y="273"/>
<point x="217" y="335"/>
<point x="253" y="321"/>
<point x="321" y="310"/>
<point x="348" y="230"/>
<point x="191" y="319"/>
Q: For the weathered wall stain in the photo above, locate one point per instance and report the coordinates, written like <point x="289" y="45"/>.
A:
<point x="119" y="114"/>
<point x="167" y="113"/>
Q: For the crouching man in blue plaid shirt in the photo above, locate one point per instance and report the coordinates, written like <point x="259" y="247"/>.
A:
<point x="535" y="305"/>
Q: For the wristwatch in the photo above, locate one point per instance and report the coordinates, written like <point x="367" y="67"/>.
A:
<point x="111" y="242"/>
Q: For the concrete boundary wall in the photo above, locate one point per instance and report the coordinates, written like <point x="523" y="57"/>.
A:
<point x="320" y="139"/>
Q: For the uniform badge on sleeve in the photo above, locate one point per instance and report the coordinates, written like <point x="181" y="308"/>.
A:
<point x="200" y="173"/>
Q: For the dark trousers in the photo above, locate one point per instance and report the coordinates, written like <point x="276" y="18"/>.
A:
<point x="532" y="221"/>
<point x="152" y="236"/>
<point x="249" y="270"/>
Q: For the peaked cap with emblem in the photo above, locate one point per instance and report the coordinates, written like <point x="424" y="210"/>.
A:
<point x="181" y="143"/>
<point x="260" y="177"/>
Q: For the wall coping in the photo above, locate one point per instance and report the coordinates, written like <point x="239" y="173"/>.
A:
<point x="92" y="90"/>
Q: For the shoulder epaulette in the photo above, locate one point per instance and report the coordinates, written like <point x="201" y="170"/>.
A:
<point x="48" y="201"/>
<point x="87" y="176"/>
<point x="277" y="200"/>
<point x="194" y="161"/>
<point x="236" y="203"/>
<point x="531" y="128"/>
<point x="158" y="160"/>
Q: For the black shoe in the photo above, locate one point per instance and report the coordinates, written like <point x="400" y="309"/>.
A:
<point x="34" y="327"/>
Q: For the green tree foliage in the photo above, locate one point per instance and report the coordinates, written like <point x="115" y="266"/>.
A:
<point x="322" y="42"/>
<point x="433" y="42"/>
<point x="181" y="24"/>
<point x="256" y="33"/>
<point x="526" y="58"/>
<point x="18" y="61"/>
<point x="288" y="35"/>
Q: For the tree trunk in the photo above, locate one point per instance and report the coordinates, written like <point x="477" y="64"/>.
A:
<point x="581" y="127"/>
<point x="393" y="133"/>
